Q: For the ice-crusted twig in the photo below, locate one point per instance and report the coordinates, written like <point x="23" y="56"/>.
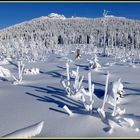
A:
<point x="106" y="89"/>
<point x="87" y="97"/>
<point x="76" y="83"/>
<point x="68" y="110"/>
<point x="89" y="83"/>
<point x="101" y="110"/>
<point x="115" y="106"/>
<point x="20" y="73"/>
<point x="68" y="73"/>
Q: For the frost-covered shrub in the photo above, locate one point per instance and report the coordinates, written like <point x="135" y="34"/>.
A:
<point x="5" y="73"/>
<point x="116" y="89"/>
<point x="93" y="63"/>
<point x="115" y="92"/>
<point x="73" y="89"/>
<point x="32" y="71"/>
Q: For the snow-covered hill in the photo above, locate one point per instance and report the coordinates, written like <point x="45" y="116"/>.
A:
<point x="44" y="35"/>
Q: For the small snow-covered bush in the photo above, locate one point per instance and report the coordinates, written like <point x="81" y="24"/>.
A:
<point x="76" y="91"/>
<point x="4" y="72"/>
<point x="32" y="71"/>
<point x="116" y="89"/>
<point x="115" y="92"/>
<point x="94" y="64"/>
<point x="4" y="62"/>
<point x="73" y="89"/>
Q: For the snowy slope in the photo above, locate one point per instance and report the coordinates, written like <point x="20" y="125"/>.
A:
<point x="42" y="97"/>
<point x="26" y="132"/>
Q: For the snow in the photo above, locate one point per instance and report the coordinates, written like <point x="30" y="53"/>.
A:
<point x="42" y="97"/>
<point x="112" y="16"/>
<point x="4" y="62"/>
<point x="32" y="71"/>
<point x="137" y="129"/>
<point x="119" y="111"/>
<point x="26" y="132"/>
<point x="4" y="72"/>
<point x="56" y="16"/>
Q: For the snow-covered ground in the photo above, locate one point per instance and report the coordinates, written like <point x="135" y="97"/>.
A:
<point x="41" y="97"/>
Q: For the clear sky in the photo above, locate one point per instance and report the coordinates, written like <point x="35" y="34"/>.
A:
<point x="12" y="13"/>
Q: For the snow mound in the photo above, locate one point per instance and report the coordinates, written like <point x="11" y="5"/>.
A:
<point x="56" y="16"/>
<point x="4" y="62"/>
<point x="137" y="129"/>
<point x="27" y="132"/>
<point x="32" y="71"/>
<point x="126" y="122"/>
<point x="120" y="111"/>
<point x="4" y="72"/>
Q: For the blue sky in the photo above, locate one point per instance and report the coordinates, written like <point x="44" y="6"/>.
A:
<point x="12" y="13"/>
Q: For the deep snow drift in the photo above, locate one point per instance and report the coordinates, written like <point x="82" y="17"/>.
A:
<point x="42" y="96"/>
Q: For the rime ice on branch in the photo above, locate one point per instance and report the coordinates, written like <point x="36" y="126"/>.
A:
<point x="88" y="98"/>
<point x="20" y="73"/>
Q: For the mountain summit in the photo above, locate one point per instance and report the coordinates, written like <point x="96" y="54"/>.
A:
<point x="56" y="16"/>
